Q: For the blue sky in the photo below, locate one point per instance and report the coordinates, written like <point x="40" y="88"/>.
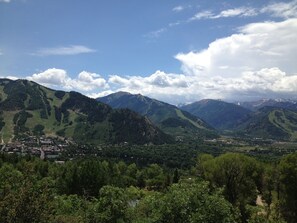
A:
<point x="176" y="51"/>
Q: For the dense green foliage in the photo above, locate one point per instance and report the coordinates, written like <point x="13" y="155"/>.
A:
<point x="2" y="123"/>
<point x="287" y="187"/>
<point x="240" y="176"/>
<point x="169" y="155"/>
<point x="216" y="189"/>
<point x="94" y="191"/>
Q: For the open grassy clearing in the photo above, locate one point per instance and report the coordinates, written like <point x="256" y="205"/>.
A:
<point x="3" y="96"/>
<point x="181" y="115"/>
<point x="7" y="131"/>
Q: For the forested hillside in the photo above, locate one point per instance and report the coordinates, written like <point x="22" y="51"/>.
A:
<point x="169" y="118"/>
<point x="27" y="108"/>
<point x="271" y="122"/>
<point x="219" y="114"/>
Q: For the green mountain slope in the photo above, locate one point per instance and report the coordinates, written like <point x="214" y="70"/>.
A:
<point x="273" y="123"/>
<point x="27" y="108"/>
<point x="219" y="114"/>
<point x="169" y="118"/>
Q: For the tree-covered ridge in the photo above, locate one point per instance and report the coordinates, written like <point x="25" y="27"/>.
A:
<point x="277" y="122"/>
<point x="27" y="108"/>
<point x="169" y="118"/>
<point x="271" y="122"/>
<point x="219" y="114"/>
<point x="228" y="188"/>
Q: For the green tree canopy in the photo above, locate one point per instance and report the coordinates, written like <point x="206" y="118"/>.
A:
<point x="288" y="187"/>
<point x="239" y="175"/>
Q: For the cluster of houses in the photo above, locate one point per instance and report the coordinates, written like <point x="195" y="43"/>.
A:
<point x="42" y="147"/>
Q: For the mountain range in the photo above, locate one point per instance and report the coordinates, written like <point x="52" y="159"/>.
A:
<point x="27" y="108"/>
<point x="272" y="119"/>
<point x="219" y="114"/>
<point x="271" y="122"/>
<point x="168" y="118"/>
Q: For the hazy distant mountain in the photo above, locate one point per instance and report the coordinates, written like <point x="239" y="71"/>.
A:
<point x="219" y="114"/>
<point x="279" y="103"/>
<point x="27" y="108"/>
<point x="271" y="122"/>
<point x="169" y="118"/>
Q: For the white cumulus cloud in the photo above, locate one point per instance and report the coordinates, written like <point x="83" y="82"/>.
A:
<point x="159" y="79"/>
<point x="256" y="46"/>
<point x="9" y="77"/>
<point x="51" y="77"/>
<point x="100" y="94"/>
<point x="87" y="81"/>
<point x="58" y="78"/>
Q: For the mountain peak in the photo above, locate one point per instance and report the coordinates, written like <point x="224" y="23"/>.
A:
<point x="122" y="93"/>
<point x="168" y="117"/>
<point x="220" y="114"/>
